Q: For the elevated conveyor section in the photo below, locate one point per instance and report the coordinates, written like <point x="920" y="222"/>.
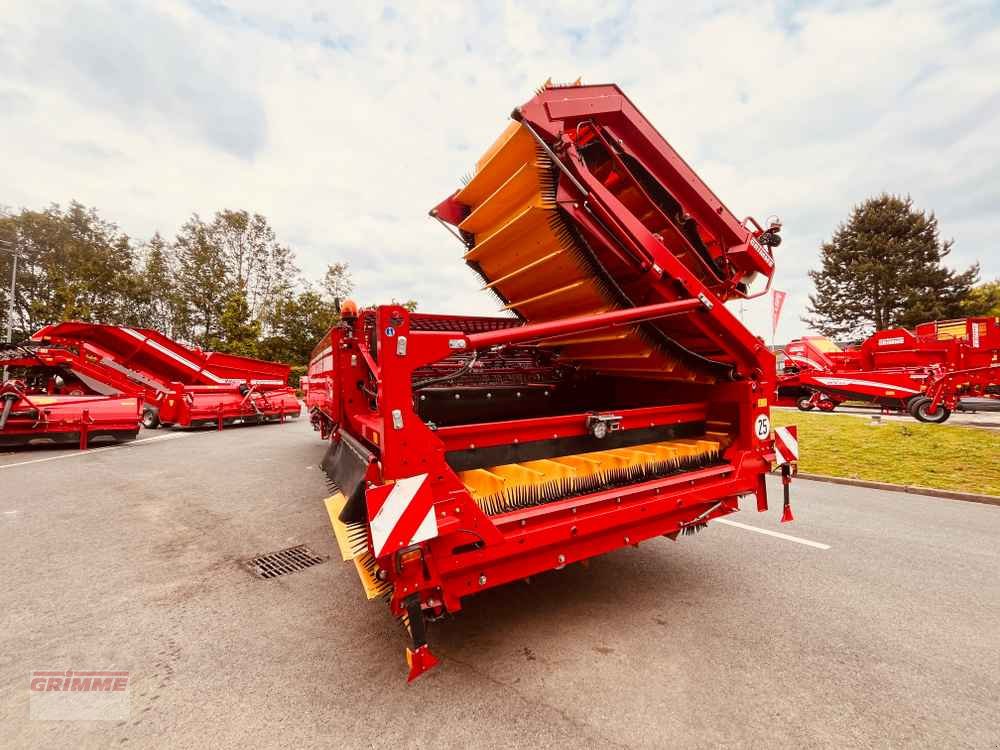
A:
<point x="149" y="357"/>
<point x="180" y="385"/>
<point x="528" y="255"/>
<point x="581" y="207"/>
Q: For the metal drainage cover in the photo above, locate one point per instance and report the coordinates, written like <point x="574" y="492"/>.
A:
<point x="283" y="562"/>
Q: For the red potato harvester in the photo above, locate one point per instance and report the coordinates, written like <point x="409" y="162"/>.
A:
<point x="928" y="372"/>
<point x="618" y="401"/>
<point x="180" y="385"/>
<point x="63" y="398"/>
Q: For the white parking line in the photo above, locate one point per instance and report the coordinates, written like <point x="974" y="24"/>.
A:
<point x="778" y="534"/>
<point x="91" y="451"/>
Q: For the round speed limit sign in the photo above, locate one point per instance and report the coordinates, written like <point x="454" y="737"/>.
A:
<point x="762" y="427"/>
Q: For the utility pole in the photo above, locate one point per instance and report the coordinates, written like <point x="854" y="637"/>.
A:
<point x="13" y="286"/>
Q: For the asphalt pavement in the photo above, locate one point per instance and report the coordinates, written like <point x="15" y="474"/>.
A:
<point x="874" y="621"/>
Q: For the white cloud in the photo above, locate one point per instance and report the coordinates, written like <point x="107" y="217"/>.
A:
<point x="345" y="124"/>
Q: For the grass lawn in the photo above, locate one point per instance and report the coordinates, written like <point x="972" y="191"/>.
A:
<point x="948" y="458"/>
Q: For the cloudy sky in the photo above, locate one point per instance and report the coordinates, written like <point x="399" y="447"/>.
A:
<point x="344" y="123"/>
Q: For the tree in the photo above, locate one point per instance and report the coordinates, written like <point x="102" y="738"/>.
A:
<point x="200" y="282"/>
<point x="983" y="300"/>
<point x="300" y="321"/>
<point x="337" y="282"/>
<point x="236" y="253"/>
<point x="883" y="268"/>
<point x="236" y="333"/>
<point x="254" y="260"/>
<point x="73" y="265"/>
<point x="226" y="285"/>
<point x="158" y="304"/>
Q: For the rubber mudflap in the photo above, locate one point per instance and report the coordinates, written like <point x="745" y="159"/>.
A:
<point x="346" y="463"/>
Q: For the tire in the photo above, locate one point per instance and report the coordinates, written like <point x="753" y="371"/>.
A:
<point x="914" y="403"/>
<point x="150" y="418"/>
<point x="920" y="411"/>
<point x="805" y="403"/>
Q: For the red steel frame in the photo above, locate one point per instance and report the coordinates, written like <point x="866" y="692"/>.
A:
<point x="897" y="368"/>
<point x="184" y="386"/>
<point x="470" y="551"/>
<point x="523" y="543"/>
<point x="67" y="417"/>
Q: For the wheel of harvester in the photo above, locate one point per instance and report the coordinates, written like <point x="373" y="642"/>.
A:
<point x="914" y="403"/>
<point x="920" y="409"/>
<point x="150" y="418"/>
<point x="827" y="405"/>
<point x="805" y="403"/>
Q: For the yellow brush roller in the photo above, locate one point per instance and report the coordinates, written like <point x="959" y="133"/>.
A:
<point x="501" y="489"/>
<point x="528" y="256"/>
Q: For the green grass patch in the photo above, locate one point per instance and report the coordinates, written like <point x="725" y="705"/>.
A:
<point x="963" y="459"/>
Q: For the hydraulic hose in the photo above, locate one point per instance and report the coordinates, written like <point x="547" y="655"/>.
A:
<point x="8" y="405"/>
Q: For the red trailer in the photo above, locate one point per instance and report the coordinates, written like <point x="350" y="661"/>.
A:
<point x="61" y="397"/>
<point x="616" y="402"/>
<point x="927" y="372"/>
<point x="180" y="385"/>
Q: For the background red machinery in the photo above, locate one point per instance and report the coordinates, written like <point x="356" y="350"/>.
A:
<point x="61" y="397"/>
<point x="928" y="372"/>
<point x="617" y="401"/>
<point x="180" y="385"/>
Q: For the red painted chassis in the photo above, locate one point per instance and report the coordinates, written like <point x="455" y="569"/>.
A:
<point x="180" y="385"/>
<point x="673" y="280"/>
<point x="472" y="551"/>
<point x="921" y="372"/>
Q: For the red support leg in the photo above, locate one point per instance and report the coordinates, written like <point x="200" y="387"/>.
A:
<point x="84" y="428"/>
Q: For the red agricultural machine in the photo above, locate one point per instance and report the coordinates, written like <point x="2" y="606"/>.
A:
<point x="928" y="372"/>
<point x="618" y="401"/>
<point x="179" y="385"/>
<point x="63" y="398"/>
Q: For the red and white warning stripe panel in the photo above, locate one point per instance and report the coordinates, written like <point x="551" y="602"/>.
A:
<point x="786" y="445"/>
<point x="406" y="516"/>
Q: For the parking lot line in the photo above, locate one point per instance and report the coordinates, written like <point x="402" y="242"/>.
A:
<point x="778" y="534"/>
<point x="91" y="451"/>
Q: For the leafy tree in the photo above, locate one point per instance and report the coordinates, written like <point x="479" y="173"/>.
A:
<point x="73" y="265"/>
<point x="200" y="282"/>
<point x="159" y="308"/>
<point x="227" y="284"/>
<point x="300" y="321"/>
<point x="983" y="300"/>
<point x="254" y="260"/>
<point x="883" y="268"/>
<point x="237" y="252"/>
<point x="237" y="332"/>
<point x="337" y="282"/>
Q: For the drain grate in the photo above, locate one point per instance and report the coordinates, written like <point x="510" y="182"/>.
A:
<point x="283" y="562"/>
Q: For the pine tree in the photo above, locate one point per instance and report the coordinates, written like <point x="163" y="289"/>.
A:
<point x="157" y="277"/>
<point x="882" y="269"/>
